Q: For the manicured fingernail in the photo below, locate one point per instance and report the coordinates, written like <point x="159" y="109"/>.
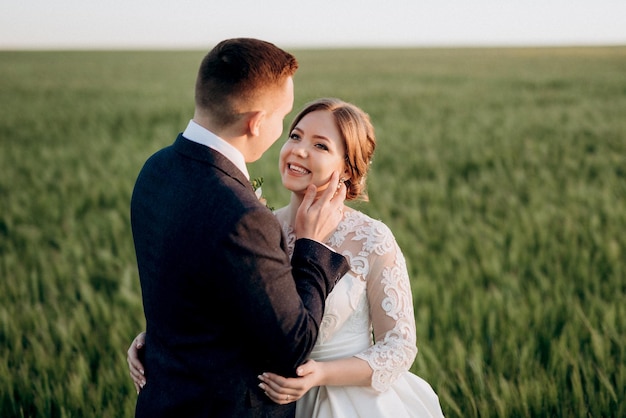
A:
<point x="262" y="386"/>
<point x="141" y="371"/>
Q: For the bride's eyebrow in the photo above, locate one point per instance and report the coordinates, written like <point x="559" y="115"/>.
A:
<point x="315" y="136"/>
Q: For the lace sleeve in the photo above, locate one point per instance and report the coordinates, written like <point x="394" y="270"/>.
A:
<point x="391" y="309"/>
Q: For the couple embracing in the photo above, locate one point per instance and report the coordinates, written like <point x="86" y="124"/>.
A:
<point x="248" y="311"/>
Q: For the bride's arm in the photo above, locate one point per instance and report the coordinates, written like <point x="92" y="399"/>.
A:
<point x="391" y="310"/>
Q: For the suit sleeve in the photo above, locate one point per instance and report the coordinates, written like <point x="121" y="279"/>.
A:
<point x="280" y="303"/>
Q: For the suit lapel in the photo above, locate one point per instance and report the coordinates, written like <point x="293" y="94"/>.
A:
<point x="211" y="157"/>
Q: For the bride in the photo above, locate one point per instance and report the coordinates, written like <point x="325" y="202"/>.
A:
<point x="349" y="373"/>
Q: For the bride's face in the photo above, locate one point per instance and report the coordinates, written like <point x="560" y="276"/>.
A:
<point x="313" y="150"/>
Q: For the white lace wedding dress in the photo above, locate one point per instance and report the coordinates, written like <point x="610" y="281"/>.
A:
<point x="374" y="296"/>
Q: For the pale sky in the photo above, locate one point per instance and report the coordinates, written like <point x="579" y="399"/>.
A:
<point x="191" y="24"/>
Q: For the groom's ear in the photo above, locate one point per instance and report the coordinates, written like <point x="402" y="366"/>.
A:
<point x="255" y="120"/>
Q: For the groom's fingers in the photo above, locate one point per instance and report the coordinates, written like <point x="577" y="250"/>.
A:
<point x="331" y="190"/>
<point x="309" y="197"/>
<point x="328" y="195"/>
<point x="317" y="218"/>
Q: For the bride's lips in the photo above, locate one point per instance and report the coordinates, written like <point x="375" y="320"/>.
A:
<point x="298" y="169"/>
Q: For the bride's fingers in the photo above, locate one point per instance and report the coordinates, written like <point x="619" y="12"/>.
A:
<point x="133" y="350"/>
<point x="136" y="370"/>
<point x="275" y="392"/>
<point x="280" y="398"/>
<point x="132" y="355"/>
<point x="134" y="363"/>
<point x="137" y="375"/>
<point x="271" y="393"/>
<point x="137" y="386"/>
<point x="138" y="378"/>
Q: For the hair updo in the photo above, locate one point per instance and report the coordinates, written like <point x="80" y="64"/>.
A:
<point x="358" y="138"/>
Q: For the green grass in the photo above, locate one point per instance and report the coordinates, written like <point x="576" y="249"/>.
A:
<point x="502" y="173"/>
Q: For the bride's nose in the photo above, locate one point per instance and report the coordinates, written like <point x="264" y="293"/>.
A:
<point x="299" y="151"/>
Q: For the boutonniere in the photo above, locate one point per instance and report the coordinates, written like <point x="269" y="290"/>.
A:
<point x="256" y="185"/>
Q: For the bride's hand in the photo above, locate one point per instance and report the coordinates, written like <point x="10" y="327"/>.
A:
<point x="134" y="364"/>
<point x="284" y="390"/>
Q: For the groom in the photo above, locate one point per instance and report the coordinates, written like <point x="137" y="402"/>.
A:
<point x="222" y="300"/>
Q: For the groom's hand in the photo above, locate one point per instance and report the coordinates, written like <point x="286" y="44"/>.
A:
<point x="318" y="219"/>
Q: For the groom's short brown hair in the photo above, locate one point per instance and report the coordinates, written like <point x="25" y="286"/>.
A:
<point x="235" y="72"/>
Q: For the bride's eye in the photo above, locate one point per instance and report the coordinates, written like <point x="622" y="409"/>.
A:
<point x="294" y="136"/>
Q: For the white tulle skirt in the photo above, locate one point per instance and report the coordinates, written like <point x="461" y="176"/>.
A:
<point x="409" y="396"/>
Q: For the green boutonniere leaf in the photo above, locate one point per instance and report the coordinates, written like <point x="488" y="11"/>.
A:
<point x="256" y="185"/>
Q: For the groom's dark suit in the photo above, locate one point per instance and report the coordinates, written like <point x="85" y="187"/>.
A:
<point x="222" y="300"/>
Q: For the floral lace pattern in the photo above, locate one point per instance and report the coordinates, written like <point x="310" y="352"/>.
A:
<point x="374" y="296"/>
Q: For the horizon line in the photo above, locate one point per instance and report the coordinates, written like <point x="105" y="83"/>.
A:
<point x="438" y="45"/>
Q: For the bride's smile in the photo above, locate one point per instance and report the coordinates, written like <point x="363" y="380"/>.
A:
<point x="313" y="150"/>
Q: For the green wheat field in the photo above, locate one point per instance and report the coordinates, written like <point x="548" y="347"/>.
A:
<point x="502" y="173"/>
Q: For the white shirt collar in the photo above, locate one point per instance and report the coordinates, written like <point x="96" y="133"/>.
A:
<point x="197" y="133"/>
